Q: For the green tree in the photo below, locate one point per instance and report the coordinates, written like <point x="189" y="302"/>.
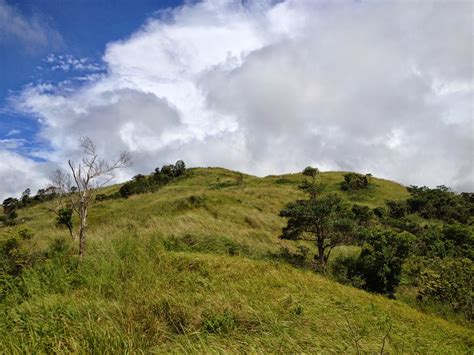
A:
<point x="324" y="219"/>
<point x="312" y="187"/>
<point x="179" y="168"/>
<point x="25" y="198"/>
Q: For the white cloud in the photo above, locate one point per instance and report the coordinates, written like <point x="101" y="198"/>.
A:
<point x="11" y="143"/>
<point x="384" y="88"/>
<point x="13" y="132"/>
<point x="33" y="32"/>
<point x="18" y="173"/>
<point x="68" y="62"/>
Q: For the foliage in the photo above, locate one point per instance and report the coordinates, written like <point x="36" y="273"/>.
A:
<point x="64" y="218"/>
<point x="362" y="214"/>
<point x="10" y="206"/>
<point x="378" y="267"/>
<point x="143" y="184"/>
<point x="12" y="258"/>
<point x="179" y="168"/>
<point x="448" y="281"/>
<point x="452" y="240"/>
<point x="25" y="198"/>
<point x="160" y="279"/>
<point x="441" y="203"/>
<point x="354" y="181"/>
<point x="324" y="219"/>
<point x="396" y="209"/>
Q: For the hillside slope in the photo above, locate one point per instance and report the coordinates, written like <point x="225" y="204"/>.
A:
<point x="191" y="268"/>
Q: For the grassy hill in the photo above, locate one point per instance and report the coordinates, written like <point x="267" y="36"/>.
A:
<point x="192" y="268"/>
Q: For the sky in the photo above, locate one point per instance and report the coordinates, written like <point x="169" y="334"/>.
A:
<point x="260" y="86"/>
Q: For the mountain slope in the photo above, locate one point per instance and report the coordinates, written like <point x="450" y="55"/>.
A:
<point x="190" y="268"/>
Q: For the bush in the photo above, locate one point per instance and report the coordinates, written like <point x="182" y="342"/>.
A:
<point x="142" y="184"/>
<point x="453" y="240"/>
<point x="448" y="281"/>
<point x="379" y="212"/>
<point x="441" y="203"/>
<point x="353" y="181"/>
<point x="396" y="209"/>
<point x="343" y="268"/>
<point x="64" y="218"/>
<point x="12" y="258"/>
<point x="380" y="261"/>
<point x="362" y="214"/>
<point x="378" y="267"/>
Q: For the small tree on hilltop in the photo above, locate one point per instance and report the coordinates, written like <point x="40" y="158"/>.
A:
<point x="25" y="198"/>
<point x="88" y="176"/>
<point x="179" y="168"/>
<point x="311" y="186"/>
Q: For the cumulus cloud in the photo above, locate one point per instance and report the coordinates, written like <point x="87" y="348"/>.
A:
<point x="269" y="87"/>
<point x="33" y="32"/>
<point x="18" y="173"/>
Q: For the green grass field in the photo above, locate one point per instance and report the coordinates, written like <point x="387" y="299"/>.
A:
<point x="191" y="268"/>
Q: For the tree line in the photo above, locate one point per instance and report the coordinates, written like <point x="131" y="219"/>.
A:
<point x="420" y="238"/>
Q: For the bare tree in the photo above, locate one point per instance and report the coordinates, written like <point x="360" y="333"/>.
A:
<point x="88" y="176"/>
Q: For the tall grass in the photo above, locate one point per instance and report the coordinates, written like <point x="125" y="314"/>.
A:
<point x="187" y="269"/>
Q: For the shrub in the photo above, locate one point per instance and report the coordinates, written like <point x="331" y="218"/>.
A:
<point x="343" y="267"/>
<point x="448" y="281"/>
<point x="453" y="240"/>
<point x="142" y="184"/>
<point x="380" y="261"/>
<point x="379" y="212"/>
<point x="396" y="209"/>
<point x="440" y="203"/>
<point x="64" y="219"/>
<point x="362" y="214"/>
<point x="353" y="181"/>
<point x="378" y="267"/>
<point x="12" y="258"/>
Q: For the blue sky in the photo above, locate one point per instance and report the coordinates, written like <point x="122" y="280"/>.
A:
<point x="259" y="86"/>
<point x="84" y="27"/>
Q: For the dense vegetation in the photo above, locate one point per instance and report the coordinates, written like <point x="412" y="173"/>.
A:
<point x="196" y="264"/>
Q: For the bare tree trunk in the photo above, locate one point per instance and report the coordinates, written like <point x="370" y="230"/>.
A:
<point x="82" y="229"/>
